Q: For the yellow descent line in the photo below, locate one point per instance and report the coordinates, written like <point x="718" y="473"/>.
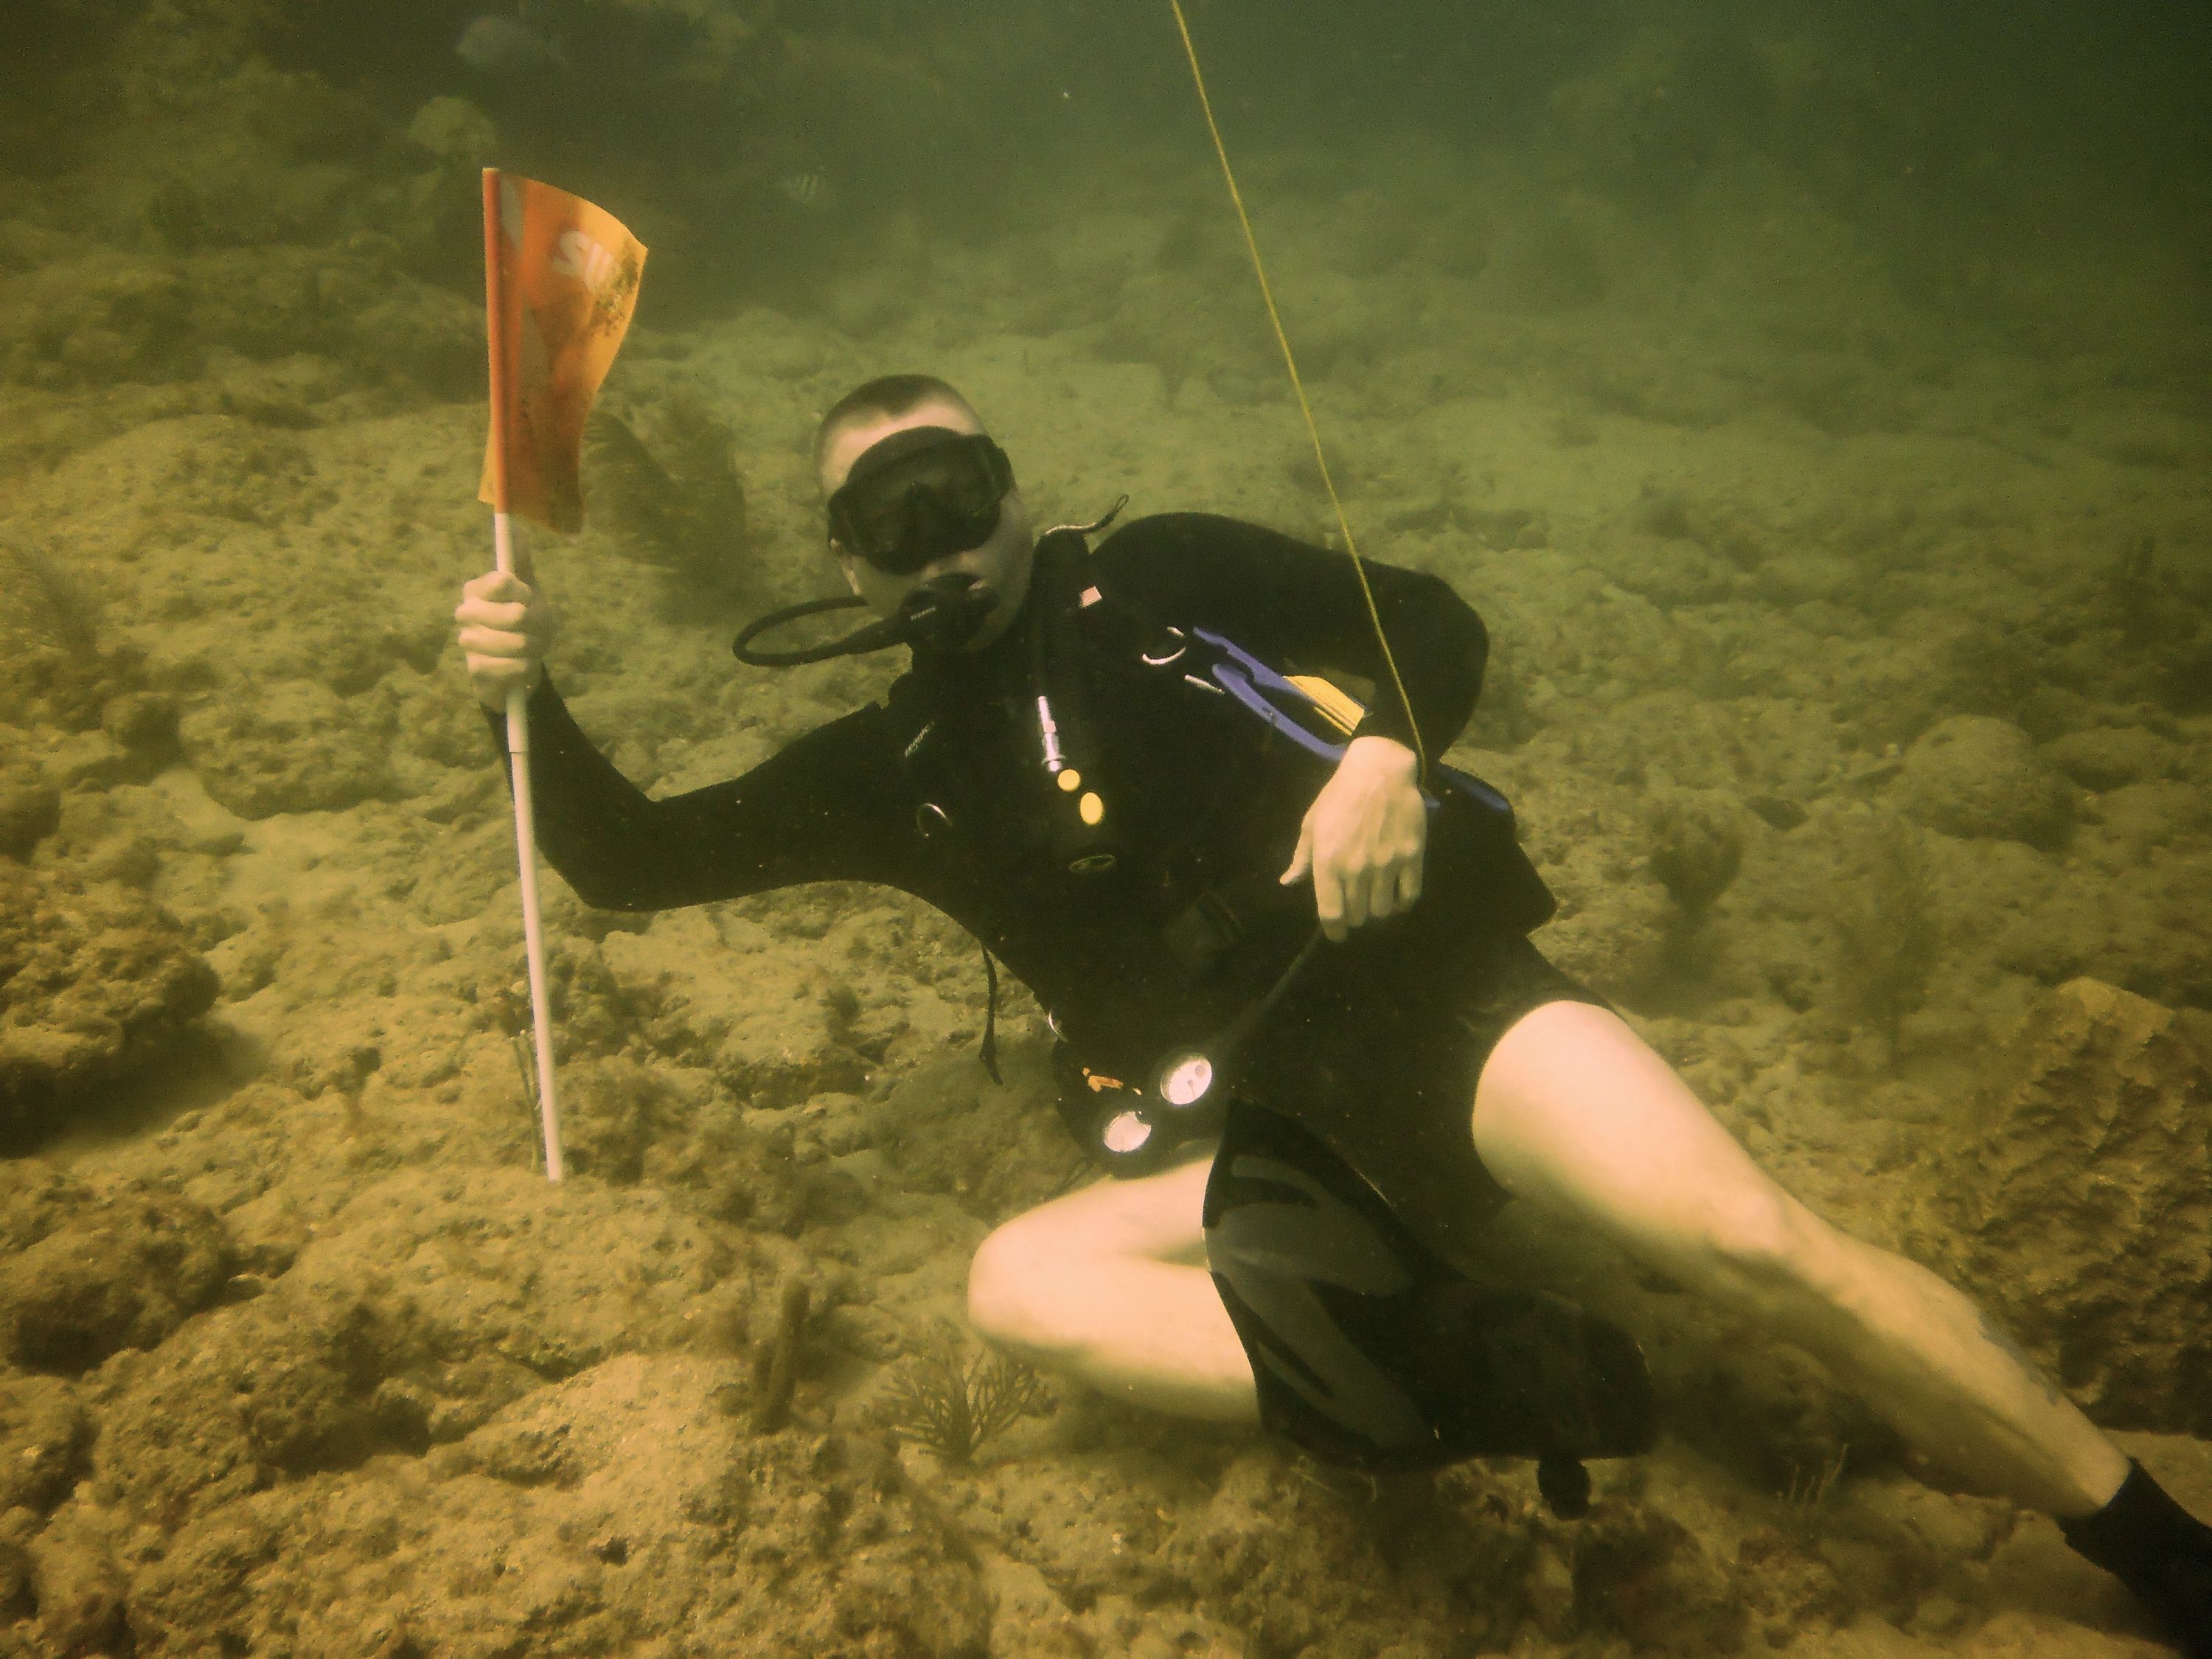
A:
<point x="1305" y="408"/>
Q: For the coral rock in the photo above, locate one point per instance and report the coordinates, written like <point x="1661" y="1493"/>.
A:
<point x="1697" y="843"/>
<point x="293" y="746"/>
<point x="2109" y="757"/>
<point x="79" y="1587"/>
<point x="30" y="808"/>
<point x="2080" y="1205"/>
<point x="454" y="129"/>
<point x="1973" y="775"/>
<point x="94" y="982"/>
<point x="43" y="1435"/>
<point x="87" y="1273"/>
<point x="621" y="1510"/>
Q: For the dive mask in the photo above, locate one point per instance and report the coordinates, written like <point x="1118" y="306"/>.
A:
<point x="920" y="495"/>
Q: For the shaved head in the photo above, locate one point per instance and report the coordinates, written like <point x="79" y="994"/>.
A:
<point x="881" y="406"/>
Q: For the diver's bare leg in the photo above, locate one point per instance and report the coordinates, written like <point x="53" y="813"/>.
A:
<point x="1107" y="1285"/>
<point x="1574" y="1111"/>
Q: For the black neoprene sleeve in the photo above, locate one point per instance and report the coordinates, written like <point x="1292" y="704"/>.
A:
<point x="824" y="808"/>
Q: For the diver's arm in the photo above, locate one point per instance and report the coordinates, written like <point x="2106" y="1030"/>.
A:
<point x="1289" y="601"/>
<point x="822" y="809"/>
<point x="818" y="811"/>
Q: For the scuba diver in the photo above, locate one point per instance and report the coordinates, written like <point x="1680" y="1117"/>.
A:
<point x="1299" y="1019"/>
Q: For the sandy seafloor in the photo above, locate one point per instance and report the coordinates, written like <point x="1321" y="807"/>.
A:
<point x="1869" y="749"/>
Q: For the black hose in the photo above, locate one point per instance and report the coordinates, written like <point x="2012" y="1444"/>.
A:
<point x="941" y="615"/>
<point x="741" y="647"/>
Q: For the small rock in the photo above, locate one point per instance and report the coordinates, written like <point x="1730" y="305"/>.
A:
<point x="1941" y="1615"/>
<point x="454" y="130"/>
<point x="1973" y="775"/>
<point x="95" y="982"/>
<point x="43" y="1433"/>
<point x="121" y="1269"/>
<point x="1549" y="1587"/>
<point x="290" y="746"/>
<point x="78" y="1585"/>
<point x="17" y="1528"/>
<point x="143" y="725"/>
<point x="30" y="809"/>
<point x="2112" y="756"/>
<point x="270" y="1233"/>
<point x="1697" y="844"/>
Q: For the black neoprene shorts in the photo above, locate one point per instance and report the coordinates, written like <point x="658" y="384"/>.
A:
<point x="1382" y="1069"/>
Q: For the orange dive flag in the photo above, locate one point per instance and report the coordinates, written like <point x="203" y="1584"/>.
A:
<point x="560" y="280"/>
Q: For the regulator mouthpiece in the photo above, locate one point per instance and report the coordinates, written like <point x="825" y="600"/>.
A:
<point x="946" y="611"/>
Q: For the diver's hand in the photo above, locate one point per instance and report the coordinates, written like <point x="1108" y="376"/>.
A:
<point x="1364" y="837"/>
<point x="507" y="627"/>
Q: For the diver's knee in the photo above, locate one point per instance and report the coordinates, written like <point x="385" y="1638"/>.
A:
<point x="1008" y="1299"/>
<point x="1760" y="1247"/>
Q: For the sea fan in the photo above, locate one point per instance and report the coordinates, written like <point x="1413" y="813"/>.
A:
<point x="675" y="503"/>
<point x="955" y="1403"/>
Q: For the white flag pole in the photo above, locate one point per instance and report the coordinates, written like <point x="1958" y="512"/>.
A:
<point x="518" y="714"/>
<point x="526" y="857"/>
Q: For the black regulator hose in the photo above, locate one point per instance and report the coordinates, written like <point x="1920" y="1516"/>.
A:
<point x="741" y="647"/>
<point x="943" y="614"/>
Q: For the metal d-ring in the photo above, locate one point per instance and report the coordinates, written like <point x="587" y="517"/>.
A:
<point x="1182" y="644"/>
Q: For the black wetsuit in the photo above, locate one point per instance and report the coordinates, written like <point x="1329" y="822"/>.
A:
<point x="939" y="791"/>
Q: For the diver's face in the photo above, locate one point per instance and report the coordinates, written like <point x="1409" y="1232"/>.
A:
<point x="1002" y="562"/>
